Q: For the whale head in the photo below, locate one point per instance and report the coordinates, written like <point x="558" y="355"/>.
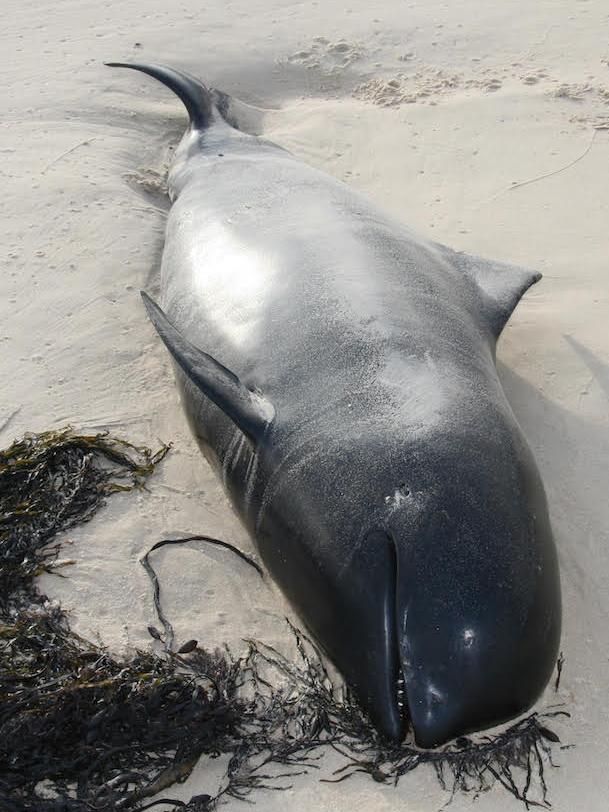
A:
<point x="428" y="574"/>
<point x="477" y="609"/>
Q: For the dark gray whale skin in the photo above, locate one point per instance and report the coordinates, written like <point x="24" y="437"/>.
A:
<point x="338" y="372"/>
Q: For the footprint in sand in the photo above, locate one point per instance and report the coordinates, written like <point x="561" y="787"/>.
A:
<point x="328" y="57"/>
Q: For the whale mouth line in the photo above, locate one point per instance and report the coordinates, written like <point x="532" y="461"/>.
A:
<point x="400" y="695"/>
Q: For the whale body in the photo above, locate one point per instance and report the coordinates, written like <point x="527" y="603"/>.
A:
<point x="338" y="371"/>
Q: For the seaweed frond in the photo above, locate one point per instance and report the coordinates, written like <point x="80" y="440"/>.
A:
<point x="50" y="482"/>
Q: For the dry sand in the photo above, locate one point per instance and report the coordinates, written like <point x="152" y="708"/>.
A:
<point x="485" y="126"/>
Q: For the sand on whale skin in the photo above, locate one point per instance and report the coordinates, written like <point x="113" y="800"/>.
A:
<point x="484" y="126"/>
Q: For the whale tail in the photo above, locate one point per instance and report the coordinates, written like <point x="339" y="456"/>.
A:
<point x="200" y="101"/>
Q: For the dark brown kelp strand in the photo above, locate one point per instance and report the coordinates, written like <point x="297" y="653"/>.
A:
<point x="55" y="687"/>
<point x="83" y="731"/>
<point x="50" y="482"/>
<point x="156" y="588"/>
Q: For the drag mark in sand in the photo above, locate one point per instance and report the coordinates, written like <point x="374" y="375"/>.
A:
<point x="520" y="184"/>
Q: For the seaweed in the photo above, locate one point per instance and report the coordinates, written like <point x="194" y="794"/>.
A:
<point x="83" y="730"/>
<point x="145" y="562"/>
<point x="50" y="482"/>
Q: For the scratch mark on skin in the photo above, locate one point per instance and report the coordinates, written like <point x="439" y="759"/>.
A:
<point x="229" y="454"/>
<point x="239" y="451"/>
<point x="250" y="478"/>
<point x="280" y="477"/>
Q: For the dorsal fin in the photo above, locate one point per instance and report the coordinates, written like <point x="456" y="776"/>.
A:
<point x="197" y="99"/>
<point x="502" y="285"/>
<point x="251" y="412"/>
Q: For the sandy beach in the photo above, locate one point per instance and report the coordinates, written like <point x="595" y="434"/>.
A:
<point x="483" y="126"/>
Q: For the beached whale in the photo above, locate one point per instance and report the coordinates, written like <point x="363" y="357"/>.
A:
<point x="338" y="371"/>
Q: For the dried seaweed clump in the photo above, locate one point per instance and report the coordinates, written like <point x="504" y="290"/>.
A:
<point x="83" y="731"/>
<point x="50" y="482"/>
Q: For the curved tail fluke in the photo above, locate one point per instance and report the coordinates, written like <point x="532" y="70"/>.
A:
<point x="197" y="99"/>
